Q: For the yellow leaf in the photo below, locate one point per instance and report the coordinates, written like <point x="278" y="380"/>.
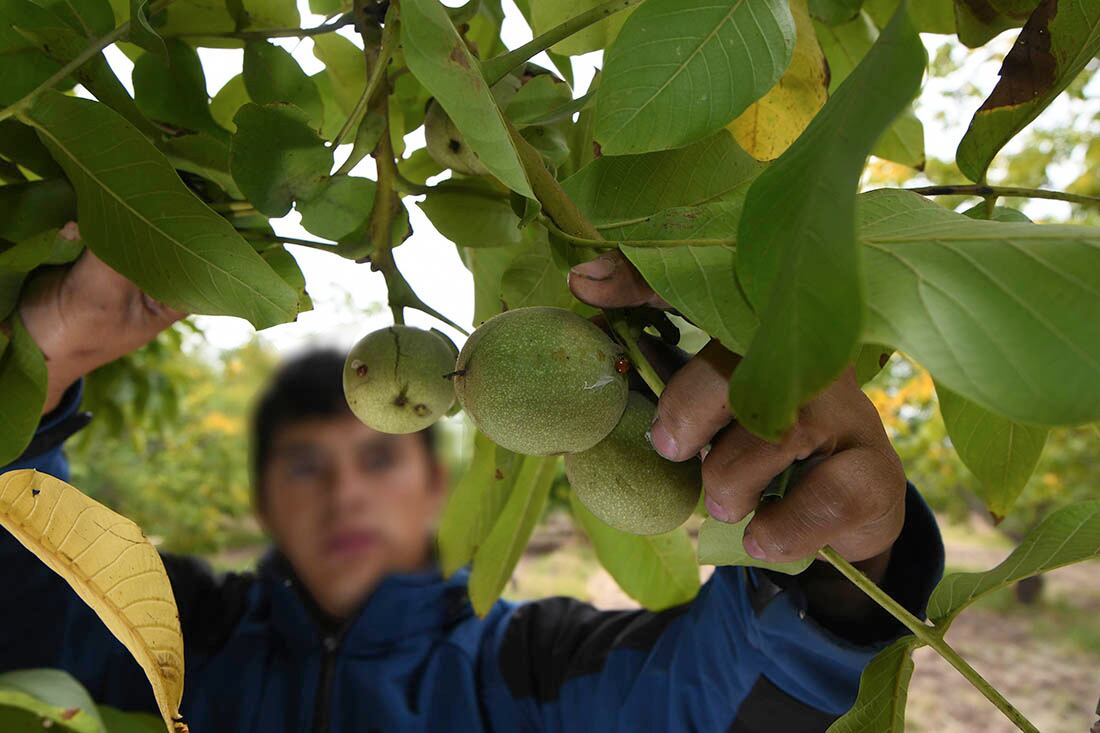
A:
<point x="773" y="122"/>
<point x="111" y="566"/>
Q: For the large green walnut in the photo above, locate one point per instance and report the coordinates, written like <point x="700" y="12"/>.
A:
<point x="627" y="484"/>
<point x="542" y="381"/>
<point x="396" y="379"/>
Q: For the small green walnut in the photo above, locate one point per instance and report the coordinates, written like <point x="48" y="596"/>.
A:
<point x="396" y="379"/>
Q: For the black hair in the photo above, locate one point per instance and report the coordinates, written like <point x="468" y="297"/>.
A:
<point x="307" y="385"/>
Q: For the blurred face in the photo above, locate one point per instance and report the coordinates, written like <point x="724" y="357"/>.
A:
<point x="347" y="505"/>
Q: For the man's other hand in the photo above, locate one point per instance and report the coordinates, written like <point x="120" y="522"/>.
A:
<point x="85" y="316"/>
<point x="853" y="495"/>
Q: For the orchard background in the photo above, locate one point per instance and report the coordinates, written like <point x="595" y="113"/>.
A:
<point x="174" y="413"/>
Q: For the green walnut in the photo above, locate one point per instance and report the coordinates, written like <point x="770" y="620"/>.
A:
<point x="542" y="381"/>
<point x="446" y="145"/>
<point x="397" y="379"/>
<point x="627" y="484"/>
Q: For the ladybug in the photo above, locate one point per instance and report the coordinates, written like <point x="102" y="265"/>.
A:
<point x="622" y="365"/>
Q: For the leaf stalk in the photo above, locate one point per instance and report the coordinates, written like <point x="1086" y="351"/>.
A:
<point x="497" y="68"/>
<point x="260" y="34"/>
<point x="928" y="635"/>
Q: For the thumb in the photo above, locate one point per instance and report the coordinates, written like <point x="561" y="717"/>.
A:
<point x="610" y="281"/>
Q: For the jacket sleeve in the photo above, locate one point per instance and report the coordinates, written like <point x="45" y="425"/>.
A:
<point x="43" y="623"/>
<point x="743" y="657"/>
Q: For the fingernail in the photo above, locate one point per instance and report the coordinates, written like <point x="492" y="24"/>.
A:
<point x="662" y="441"/>
<point x="716" y="510"/>
<point x="753" y="548"/>
<point x="600" y="268"/>
<point x="70" y="232"/>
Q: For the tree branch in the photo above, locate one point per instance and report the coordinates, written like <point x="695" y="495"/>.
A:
<point x="977" y="189"/>
<point x="377" y="74"/>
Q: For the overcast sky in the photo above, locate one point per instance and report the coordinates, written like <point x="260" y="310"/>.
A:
<point x="347" y="296"/>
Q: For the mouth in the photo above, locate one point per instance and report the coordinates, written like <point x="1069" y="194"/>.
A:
<point x="351" y="543"/>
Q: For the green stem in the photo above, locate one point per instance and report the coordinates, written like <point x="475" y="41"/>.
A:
<point x="82" y="58"/>
<point x="975" y="189"/>
<point x="560" y="209"/>
<point x="236" y="207"/>
<point x="344" y="20"/>
<point x="990" y="206"/>
<point x="621" y="327"/>
<point x="378" y="73"/>
<point x="399" y="293"/>
<point x="322" y="246"/>
<point x="928" y="635"/>
<point x="615" y="244"/>
<point x="497" y="68"/>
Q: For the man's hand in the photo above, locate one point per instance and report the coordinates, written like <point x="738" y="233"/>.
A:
<point x="86" y="316"/>
<point x="853" y="496"/>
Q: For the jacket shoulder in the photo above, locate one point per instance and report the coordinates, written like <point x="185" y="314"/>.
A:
<point x="210" y="604"/>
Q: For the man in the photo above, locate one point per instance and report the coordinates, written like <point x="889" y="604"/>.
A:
<point x="348" y="626"/>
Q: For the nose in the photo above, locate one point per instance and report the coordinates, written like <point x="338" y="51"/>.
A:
<point x="350" y="490"/>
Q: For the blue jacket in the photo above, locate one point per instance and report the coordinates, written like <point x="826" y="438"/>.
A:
<point x="743" y="656"/>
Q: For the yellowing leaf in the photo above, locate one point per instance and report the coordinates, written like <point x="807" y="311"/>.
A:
<point x="774" y="121"/>
<point x="111" y="566"/>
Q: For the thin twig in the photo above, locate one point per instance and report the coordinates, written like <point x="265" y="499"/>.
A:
<point x="621" y="327"/>
<point x="977" y="189"/>
<point x="929" y="635"/>
<point x="497" y="68"/>
<point x="322" y="246"/>
<point x="616" y="243"/>
<point x="344" y="20"/>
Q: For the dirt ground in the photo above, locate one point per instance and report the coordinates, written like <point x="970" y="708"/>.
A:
<point x="1045" y="659"/>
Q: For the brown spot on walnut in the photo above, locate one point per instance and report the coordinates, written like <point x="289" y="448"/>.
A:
<point x="454" y="145"/>
<point x="499" y="474"/>
<point x="421" y="409"/>
<point x="401" y="399"/>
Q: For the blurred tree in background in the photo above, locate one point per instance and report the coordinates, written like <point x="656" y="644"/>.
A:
<point x="168" y="445"/>
<point x="1068" y="470"/>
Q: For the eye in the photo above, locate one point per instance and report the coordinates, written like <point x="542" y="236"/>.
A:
<point x="304" y="467"/>
<point x="378" y="458"/>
